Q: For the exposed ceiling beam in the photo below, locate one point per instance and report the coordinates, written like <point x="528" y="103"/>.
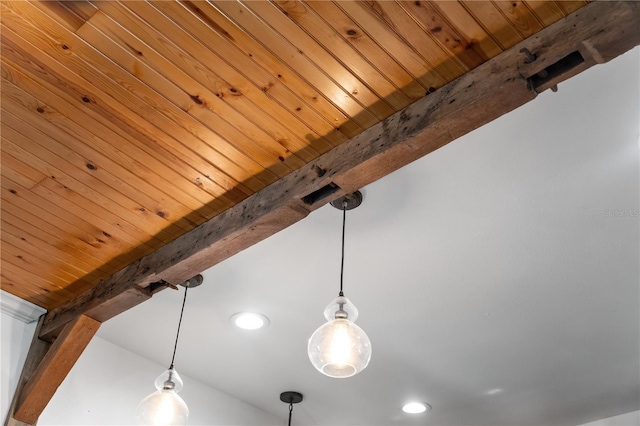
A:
<point x="37" y="351"/>
<point x="46" y="367"/>
<point x="594" y="34"/>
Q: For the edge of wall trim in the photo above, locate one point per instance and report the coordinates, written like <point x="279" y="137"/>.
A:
<point x="18" y="308"/>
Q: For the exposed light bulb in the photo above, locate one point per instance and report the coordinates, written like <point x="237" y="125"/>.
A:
<point x="339" y="348"/>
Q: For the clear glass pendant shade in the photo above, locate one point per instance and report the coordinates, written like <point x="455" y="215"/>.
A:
<point x="338" y="304"/>
<point x="169" y="378"/>
<point x="339" y="348"/>
<point x="164" y="407"/>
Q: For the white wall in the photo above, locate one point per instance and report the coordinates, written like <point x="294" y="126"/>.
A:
<point x="17" y="324"/>
<point x="628" y="419"/>
<point x="107" y="383"/>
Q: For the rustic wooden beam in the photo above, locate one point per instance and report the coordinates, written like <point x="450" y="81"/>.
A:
<point x="594" y="34"/>
<point x="57" y="360"/>
<point x="36" y="353"/>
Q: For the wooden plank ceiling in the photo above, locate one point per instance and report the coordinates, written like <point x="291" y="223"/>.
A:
<point x="127" y="124"/>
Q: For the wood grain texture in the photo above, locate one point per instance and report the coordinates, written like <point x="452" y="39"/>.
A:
<point x="226" y="40"/>
<point x="53" y="368"/>
<point x="37" y="351"/>
<point x="479" y="96"/>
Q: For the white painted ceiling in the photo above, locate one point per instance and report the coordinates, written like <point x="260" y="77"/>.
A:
<point x="497" y="278"/>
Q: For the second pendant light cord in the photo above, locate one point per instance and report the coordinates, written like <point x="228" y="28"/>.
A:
<point x="175" y="346"/>
<point x="344" y="221"/>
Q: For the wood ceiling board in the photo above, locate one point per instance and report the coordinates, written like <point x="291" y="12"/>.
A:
<point x="570" y="6"/>
<point x="219" y="35"/>
<point x="51" y="284"/>
<point x="71" y="14"/>
<point x="13" y="285"/>
<point x="317" y="15"/>
<point x="494" y="23"/>
<point x="27" y="243"/>
<point x="26" y="229"/>
<point x="89" y="198"/>
<point x="520" y="16"/>
<point x="264" y="148"/>
<point x="119" y="93"/>
<point x="422" y="70"/>
<point x="23" y="249"/>
<point x="111" y="239"/>
<point x="211" y="111"/>
<point x="97" y="179"/>
<point x="70" y="118"/>
<point x="15" y="277"/>
<point x="41" y="266"/>
<point x="73" y="136"/>
<point x="451" y="39"/>
<point x="54" y="218"/>
<point x="471" y="30"/>
<point x="74" y="286"/>
<point x="58" y="221"/>
<point x="27" y="176"/>
<point x="420" y="37"/>
<point x="195" y="152"/>
<point x="214" y="75"/>
<point x="294" y="58"/>
<point x="338" y="60"/>
<point x="390" y="82"/>
<point x="261" y="93"/>
<point x="279" y="27"/>
<point x="546" y="12"/>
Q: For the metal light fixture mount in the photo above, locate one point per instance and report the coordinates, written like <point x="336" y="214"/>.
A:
<point x="348" y="201"/>
<point x="291" y="397"/>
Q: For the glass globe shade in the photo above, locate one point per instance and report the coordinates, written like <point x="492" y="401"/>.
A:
<point x="339" y="349"/>
<point x="341" y="304"/>
<point x="169" y="378"/>
<point x="163" y="407"/>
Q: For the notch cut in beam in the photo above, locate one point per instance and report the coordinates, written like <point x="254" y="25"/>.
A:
<point x="54" y="367"/>
<point x="600" y="31"/>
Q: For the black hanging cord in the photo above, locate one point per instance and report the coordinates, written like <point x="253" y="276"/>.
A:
<point x="290" y="411"/>
<point x="344" y="221"/>
<point x="175" y="346"/>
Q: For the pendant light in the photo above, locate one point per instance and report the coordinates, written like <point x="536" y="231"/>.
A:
<point x="340" y="348"/>
<point x="291" y="398"/>
<point x="165" y="406"/>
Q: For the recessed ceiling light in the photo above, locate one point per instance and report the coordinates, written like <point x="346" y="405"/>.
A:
<point x="416" y="407"/>
<point x="249" y="320"/>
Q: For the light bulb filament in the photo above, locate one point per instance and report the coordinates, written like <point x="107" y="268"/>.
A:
<point x="340" y="351"/>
